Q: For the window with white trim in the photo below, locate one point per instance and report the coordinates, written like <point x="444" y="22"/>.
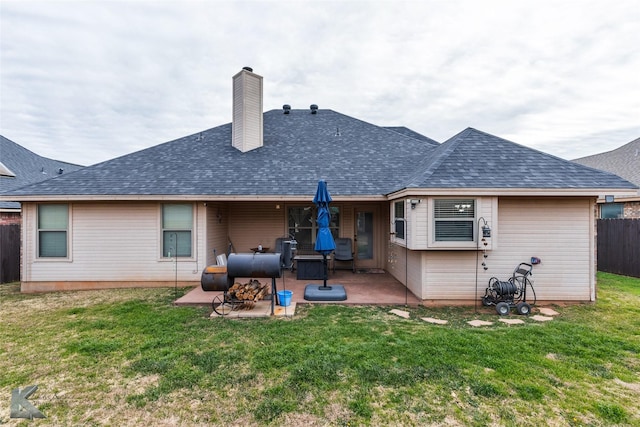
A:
<point x="454" y="220"/>
<point x="53" y="230"/>
<point x="177" y="229"/>
<point x="399" y="219"/>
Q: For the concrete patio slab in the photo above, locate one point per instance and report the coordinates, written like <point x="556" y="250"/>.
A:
<point x="361" y="289"/>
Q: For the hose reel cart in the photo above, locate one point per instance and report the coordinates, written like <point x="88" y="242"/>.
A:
<point x="512" y="293"/>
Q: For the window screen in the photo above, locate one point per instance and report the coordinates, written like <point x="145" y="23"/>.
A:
<point x="177" y="226"/>
<point x="53" y="222"/>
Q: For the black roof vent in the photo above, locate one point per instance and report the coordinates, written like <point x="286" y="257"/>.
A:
<point x="249" y="69"/>
<point x="60" y="170"/>
<point x="314" y="108"/>
<point x="286" y="108"/>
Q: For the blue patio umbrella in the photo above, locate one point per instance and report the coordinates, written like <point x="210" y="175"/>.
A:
<point x="324" y="240"/>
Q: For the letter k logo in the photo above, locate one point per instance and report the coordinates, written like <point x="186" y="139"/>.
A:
<point x="21" y="407"/>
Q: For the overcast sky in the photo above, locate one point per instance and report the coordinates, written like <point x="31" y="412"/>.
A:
<point x="87" y="81"/>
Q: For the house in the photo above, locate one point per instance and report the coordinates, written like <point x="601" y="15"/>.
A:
<point x="625" y="162"/>
<point x="20" y="167"/>
<point x="414" y="207"/>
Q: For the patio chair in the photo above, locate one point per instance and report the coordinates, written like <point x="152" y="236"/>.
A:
<point x="344" y="253"/>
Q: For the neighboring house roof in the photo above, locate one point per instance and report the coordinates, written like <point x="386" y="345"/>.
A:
<point x="24" y="167"/>
<point x="357" y="159"/>
<point x="623" y="161"/>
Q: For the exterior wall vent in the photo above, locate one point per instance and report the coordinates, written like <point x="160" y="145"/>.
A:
<point x="247" y="125"/>
<point x="314" y="109"/>
<point x="286" y="108"/>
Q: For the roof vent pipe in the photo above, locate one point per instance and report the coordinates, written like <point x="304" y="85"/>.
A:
<point x="249" y="69"/>
<point x="286" y="108"/>
<point x="314" y="108"/>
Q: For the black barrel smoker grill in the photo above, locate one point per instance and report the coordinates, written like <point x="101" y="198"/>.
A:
<point x="511" y="293"/>
<point x="250" y="265"/>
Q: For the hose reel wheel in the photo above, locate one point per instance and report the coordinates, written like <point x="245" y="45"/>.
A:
<point x="523" y="308"/>
<point x="503" y="308"/>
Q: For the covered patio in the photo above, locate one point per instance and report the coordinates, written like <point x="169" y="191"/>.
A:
<point x="371" y="287"/>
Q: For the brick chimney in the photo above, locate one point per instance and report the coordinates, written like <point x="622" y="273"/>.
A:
<point x="246" y="133"/>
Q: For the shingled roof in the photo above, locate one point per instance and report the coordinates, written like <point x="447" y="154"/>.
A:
<point x="23" y="167"/>
<point x="356" y="158"/>
<point x="623" y="161"/>
<point x="475" y="159"/>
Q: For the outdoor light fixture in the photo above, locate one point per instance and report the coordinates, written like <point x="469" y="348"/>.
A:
<point x="414" y="202"/>
<point x="486" y="230"/>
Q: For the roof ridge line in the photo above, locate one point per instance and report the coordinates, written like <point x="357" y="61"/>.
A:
<point x="439" y="154"/>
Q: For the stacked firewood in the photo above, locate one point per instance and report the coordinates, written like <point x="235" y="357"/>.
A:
<point x="249" y="292"/>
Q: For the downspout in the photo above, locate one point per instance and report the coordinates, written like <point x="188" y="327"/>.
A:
<point x="593" y="253"/>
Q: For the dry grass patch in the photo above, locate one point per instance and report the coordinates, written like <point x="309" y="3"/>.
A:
<point x="129" y="357"/>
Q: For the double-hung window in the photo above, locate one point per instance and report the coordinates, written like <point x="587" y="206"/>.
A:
<point x="399" y="219"/>
<point x="53" y="230"/>
<point x="454" y="220"/>
<point x="177" y="229"/>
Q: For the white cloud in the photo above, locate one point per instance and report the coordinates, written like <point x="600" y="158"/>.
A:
<point x="88" y="81"/>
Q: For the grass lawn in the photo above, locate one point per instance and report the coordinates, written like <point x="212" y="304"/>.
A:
<point x="131" y="358"/>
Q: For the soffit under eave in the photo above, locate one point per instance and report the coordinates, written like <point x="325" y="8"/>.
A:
<point x="475" y="192"/>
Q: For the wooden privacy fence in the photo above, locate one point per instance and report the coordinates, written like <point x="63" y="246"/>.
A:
<point x="9" y="253"/>
<point x="619" y="246"/>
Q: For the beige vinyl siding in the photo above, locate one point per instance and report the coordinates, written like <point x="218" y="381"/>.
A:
<point x="450" y="275"/>
<point x="347" y="220"/>
<point x="406" y="266"/>
<point x="556" y="230"/>
<point x="417" y="224"/>
<point x="217" y="223"/>
<point x="256" y="223"/>
<point x="115" y="242"/>
<point x="559" y="232"/>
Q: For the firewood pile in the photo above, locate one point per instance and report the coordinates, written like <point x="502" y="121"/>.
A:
<point x="248" y="293"/>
